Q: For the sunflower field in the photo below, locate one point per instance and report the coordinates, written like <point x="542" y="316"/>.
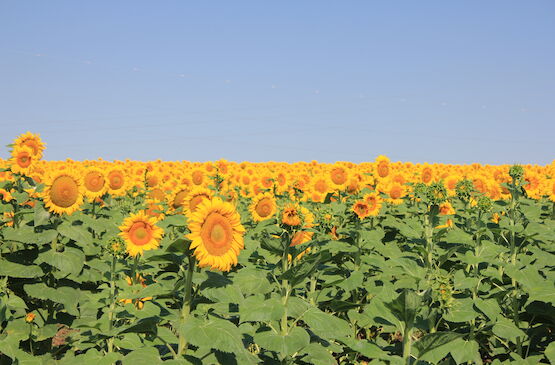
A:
<point x="382" y="262"/>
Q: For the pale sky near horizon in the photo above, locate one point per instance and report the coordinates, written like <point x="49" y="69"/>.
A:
<point x="421" y="81"/>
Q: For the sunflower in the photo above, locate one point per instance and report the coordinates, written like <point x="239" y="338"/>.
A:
<point x="216" y="234"/>
<point x="138" y="302"/>
<point x="196" y="196"/>
<point x="446" y="209"/>
<point x="396" y="193"/>
<point x="263" y="207"/>
<point x="154" y="209"/>
<point x="63" y="192"/>
<point x="140" y="233"/>
<point x="382" y="166"/>
<point x="178" y="197"/>
<point x="339" y="176"/>
<point x="291" y="216"/>
<point x="22" y="160"/>
<point x="94" y="183"/>
<point x="32" y="141"/>
<point x="5" y="195"/>
<point x="302" y="236"/>
<point x="361" y="209"/>
<point x="374" y="202"/>
<point x="117" y="182"/>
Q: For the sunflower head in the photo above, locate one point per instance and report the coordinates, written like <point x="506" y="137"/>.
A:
<point x="361" y="209"/>
<point x="32" y="141"/>
<point x="216" y="234"/>
<point x="94" y="183"/>
<point x="22" y="160"/>
<point x="63" y="192"/>
<point x="140" y="233"/>
<point x="117" y="182"/>
<point x="291" y="215"/>
<point x="263" y="207"/>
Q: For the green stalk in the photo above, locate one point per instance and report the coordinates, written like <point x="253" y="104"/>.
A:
<point x="186" y="308"/>
<point x="407" y="345"/>
<point x="112" y="303"/>
<point x="512" y="241"/>
<point x="285" y="288"/>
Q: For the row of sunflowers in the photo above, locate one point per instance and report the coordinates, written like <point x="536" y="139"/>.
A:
<point x="224" y="262"/>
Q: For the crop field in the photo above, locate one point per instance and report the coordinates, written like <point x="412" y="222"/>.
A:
<point x="383" y="262"/>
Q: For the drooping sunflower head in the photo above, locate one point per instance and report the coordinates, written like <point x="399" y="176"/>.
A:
<point x="154" y="209"/>
<point x="195" y="197"/>
<point x="63" y="192"/>
<point x="291" y="215"/>
<point x="302" y="236"/>
<point x="361" y="209"/>
<point x="94" y="183"/>
<point x="22" y="160"/>
<point x="263" y="207"/>
<point x="446" y="209"/>
<point x="374" y="202"/>
<point x="216" y="234"/>
<point x="178" y="198"/>
<point x="140" y="233"/>
<point x="32" y="141"/>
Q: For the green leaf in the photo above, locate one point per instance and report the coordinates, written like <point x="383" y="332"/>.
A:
<point x="318" y="354"/>
<point x="77" y="233"/>
<point x="252" y="281"/>
<point x="213" y="333"/>
<point x="63" y="294"/>
<point x="11" y="269"/>
<point x="144" y="356"/>
<point x="550" y="353"/>
<point x="465" y="351"/>
<point x="365" y="348"/>
<point x="70" y="261"/>
<point x="461" y="311"/>
<point x="506" y="329"/>
<point x="434" y="346"/>
<point x="41" y="216"/>
<point x="326" y="325"/>
<point x="259" y="309"/>
<point x="294" y="341"/>
<point x="489" y="307"/>
<point x="405" y="307"/>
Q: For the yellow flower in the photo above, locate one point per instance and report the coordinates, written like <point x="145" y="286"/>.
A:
<point x="446" y="209"/>
<point x="63" y="192"/>
<point x="30" y="317"/>
<point x="94" y="183"/>
<point x="22" y="160"/>
<point x="140" y="233"/>
<point x="263" y="207"/>
<point x="216" y="234"/>
<point x="32" y="141"/>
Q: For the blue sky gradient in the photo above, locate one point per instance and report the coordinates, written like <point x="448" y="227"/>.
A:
<point x="422" y="81"/>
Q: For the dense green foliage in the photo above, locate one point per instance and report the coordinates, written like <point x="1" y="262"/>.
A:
<point x="402" y="287"/>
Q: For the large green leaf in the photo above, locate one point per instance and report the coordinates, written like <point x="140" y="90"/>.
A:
<point x="434" y="346"/>
<point x="506" y="329"/>
<point x="325" y="324"/>
<point x="293" y="342"/>
<point x="8" y="268"/>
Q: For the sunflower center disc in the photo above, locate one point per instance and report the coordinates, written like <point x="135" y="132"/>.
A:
<point x="141" y="233"/>
<point x="217" y="235"/>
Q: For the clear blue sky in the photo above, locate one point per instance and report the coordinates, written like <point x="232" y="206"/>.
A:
<point x="436" y="81"/>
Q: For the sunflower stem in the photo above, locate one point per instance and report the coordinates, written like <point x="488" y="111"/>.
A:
<point x="112" y="303"/>
<point x="285" y="286"/>
<point x="186" y="308"/>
